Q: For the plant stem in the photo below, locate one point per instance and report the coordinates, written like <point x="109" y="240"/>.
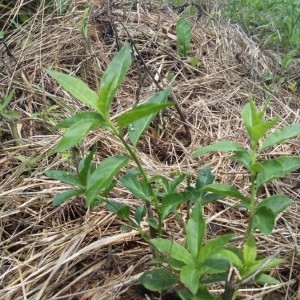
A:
<point x="153" y="232"/>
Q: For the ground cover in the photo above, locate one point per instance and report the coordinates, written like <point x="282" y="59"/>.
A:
<point x="69" y="252"/>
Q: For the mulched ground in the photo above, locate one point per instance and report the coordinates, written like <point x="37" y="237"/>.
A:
<point x="68" y="252"/>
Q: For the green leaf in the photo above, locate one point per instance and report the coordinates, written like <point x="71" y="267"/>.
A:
<point x="82" y="116"/>
<point x="114" y="206"/>
<point x="204" y="294"/>
<point x="195" y="230"/>
<point x="153" y="223"/>
<point x="257" y="265"/>
<point x="103" y="175"/>
<point x="184" y="36"/>
<point x="5" y="101"/>
<point x="174" y="249"/>
<point x="254" y="123"/>
<point x="84" y="168"/>
<point x="249" y="252"/>
<point x="223" y="146"/>
<point x="213" y="247"/>
<point x="226" y="190"/>
<point x="140" y="112"/>
<point x="170" y="203"/>
<point x="76" y="87"/>
<point x="204" y="178"/>
<point x="62" y="197"/>
<point x="215" y="264"/>
<point x="138" y="127"/>
<point x="277" y="168"/>
<point x="259" y="130"/>
<point x="174" y="183"/>
<point x="190" y="277"/>
<point x="140" y="213"/>
<point x="211" y="197"/>
<point x="184" y="295"/>
<point x="74" y="135"/>
<point x="244" y="158"/>
<point x="277" y="203"/>
<point x="158" y="279"/>
<point x="138" y="188"/>
<point x="264" y="219"/>
<point x="264" y="278"/>
<point x="124" y="212"/>
<point x="112" y="78"/>
<point x="64" y="176"/>
<point x="232" y="257"/>
<point x="280" y="136"/>
<point x="10" y="114"/>
<point x="251" y="116"/>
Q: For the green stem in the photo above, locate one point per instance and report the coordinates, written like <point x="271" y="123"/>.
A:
<point x="153" y="232"/>
<point x="253" y="195"/>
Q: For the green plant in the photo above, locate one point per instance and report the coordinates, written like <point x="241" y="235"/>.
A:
<point x="272" y="21"/>
<point x="9" y="115"/>
<point x="184" y="36"/>
<point x="198" y="262"/>
<point x="5" y="113"/>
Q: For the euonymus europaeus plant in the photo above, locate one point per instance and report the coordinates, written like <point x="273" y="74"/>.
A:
<point x="198" y="262"/>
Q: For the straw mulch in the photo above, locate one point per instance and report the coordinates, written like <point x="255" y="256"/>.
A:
<point x="68" y="252"/>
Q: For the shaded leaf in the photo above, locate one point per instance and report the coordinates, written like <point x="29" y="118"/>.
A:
<point x="204" y="178"/>
<point x="138" y="127"/>
<point x="184" y="295"/>
<point x="63" y="197"/>
<point x="215" y="264"/>
<point x="139" y="188"/>
<point x="211" y="197"/>
<point x="244" y="158"/>
<point x="140" y="213"/>
<point x="84" y="168"/>
<point x="264" y="219"/>
<point x="170" y="203"/>
<point x="223" y="146"/>
<point x="225" y="190"/>
<point x="140" y="112"/>
<point x="158" y="279"/>
<point x="174" y="183"/>
<point x="74" y="135"/>
<point x="5" y="100"/>
<point x="64" y="176"/>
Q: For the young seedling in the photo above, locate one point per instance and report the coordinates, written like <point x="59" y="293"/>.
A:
<point x="198" y="262"/>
